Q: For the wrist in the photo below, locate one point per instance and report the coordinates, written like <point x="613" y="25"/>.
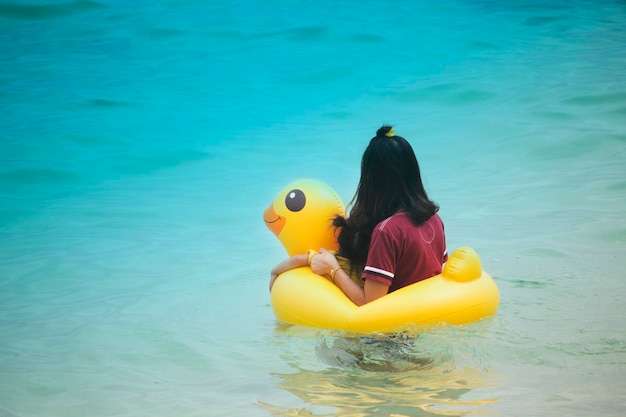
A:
<point x="332" y="273"/>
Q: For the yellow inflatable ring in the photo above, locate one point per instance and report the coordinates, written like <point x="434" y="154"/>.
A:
<point x="301" y="216"/>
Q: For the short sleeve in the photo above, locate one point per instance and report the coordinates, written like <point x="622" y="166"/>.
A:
<point x="382" y="257"/>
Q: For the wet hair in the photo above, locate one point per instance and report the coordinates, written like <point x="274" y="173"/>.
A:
<point x="390" y="182"/>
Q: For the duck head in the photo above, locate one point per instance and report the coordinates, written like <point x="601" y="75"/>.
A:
<point x="301" y="216"/>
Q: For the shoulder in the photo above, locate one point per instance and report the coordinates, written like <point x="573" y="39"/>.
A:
<point x="435" y="218"/>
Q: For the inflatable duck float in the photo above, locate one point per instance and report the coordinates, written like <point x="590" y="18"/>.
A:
<point x="301" y="217"/>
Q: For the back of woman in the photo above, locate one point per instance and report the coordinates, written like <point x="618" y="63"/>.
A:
<point x="402" y="253"/>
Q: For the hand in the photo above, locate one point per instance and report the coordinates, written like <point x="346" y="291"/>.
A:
<point x="323" y="263"/>
<point x="273" y="277"/>
<point x="294" y="261"/>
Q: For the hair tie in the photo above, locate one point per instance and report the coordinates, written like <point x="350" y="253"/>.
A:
<point x="385" y="131"/>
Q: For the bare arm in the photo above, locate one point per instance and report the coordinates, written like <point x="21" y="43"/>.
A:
<point x="325" y="263"/>
<point x="295" y="261"/>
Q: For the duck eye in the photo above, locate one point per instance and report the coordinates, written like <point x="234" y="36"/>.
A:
<point x="295" y="200"/>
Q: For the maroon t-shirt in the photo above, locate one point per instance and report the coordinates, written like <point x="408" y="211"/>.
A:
<point x="402" y="253"/>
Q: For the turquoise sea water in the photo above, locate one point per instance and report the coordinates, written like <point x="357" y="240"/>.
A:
<point x="141" y="141"/>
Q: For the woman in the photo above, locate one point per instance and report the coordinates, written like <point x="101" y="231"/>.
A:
<point x="393" y="236"/>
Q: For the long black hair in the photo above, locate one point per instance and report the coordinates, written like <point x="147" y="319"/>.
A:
<point x="390" y="182"/>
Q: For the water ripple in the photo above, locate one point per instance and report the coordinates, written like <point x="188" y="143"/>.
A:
<point x="46" y="11"/>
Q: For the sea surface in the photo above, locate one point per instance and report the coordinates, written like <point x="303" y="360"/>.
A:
<point x="141" y="141"/>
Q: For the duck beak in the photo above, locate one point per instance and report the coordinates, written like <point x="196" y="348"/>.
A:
<point x="273" y="221"/>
